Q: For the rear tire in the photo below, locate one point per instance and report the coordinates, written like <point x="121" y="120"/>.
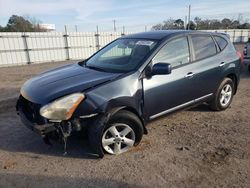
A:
<point x="223" y="96"/>
<point x="248" y="67"/>
<point x="116" y="135"/>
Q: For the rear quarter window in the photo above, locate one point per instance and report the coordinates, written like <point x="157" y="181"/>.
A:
<point x="204" y="46"/>
<point x="222" y="43"/>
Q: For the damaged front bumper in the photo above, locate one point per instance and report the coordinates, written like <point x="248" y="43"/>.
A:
<point x="30" y="117"/>
<point x="48" y="130"/>
<point x="42" y="130"/>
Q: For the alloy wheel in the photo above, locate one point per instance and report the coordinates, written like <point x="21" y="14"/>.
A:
<point x="118" y="138"/>
<point x="226" y="95"/>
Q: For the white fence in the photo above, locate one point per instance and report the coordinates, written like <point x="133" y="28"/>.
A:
<point x="26" y="48"/>
<point x="236" y="36"/>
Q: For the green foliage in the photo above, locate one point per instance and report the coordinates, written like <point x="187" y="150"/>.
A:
<point x="21" y="24"/>
<point x="220" y="24"/>
<point x="170" y="24"/>
<point x="18" y="24"/>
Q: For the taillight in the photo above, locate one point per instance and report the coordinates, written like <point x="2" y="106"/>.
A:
<point x="240" y="56"/>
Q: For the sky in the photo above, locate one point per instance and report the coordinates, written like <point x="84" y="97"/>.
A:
<point x="133" y="14"/>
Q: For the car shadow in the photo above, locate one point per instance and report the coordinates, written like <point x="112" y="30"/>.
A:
<point x="245" y="73"/>
<point x="200" y="108"/>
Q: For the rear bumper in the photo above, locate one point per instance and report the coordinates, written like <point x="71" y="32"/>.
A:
<point x="246" y="57"/>
<point x="247" y="62"/>
<point x="42" y="130"/>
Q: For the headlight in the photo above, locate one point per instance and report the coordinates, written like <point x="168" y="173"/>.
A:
<point x="62" y="108"/>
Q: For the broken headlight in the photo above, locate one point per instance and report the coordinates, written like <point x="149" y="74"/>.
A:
<point x="62" y="108"/>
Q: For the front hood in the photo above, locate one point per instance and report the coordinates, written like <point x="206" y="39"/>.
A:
<point x="61" y="81"/>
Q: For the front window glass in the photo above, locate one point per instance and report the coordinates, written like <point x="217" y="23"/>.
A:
<point x="123" y="55"/>
<point x="175" y="52"/>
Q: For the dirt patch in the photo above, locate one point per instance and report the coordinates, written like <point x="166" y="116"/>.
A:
<point x="9" y="164"/>
<point x="217" y="156"/>
<point x="144" y="144"/>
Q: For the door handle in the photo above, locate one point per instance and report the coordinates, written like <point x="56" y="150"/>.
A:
<point x="190" y="75"/>
<point x="222" y="64"/>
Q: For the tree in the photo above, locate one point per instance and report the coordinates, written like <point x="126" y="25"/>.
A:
<point x="179" y="23"/>
<point x="215" y="24"/>
<point x="197" y="20"/>
<point x="199" y="23"/>
<point x="235" y="24"/>
<point x="18" y="24"/>
<point x="157" y="27"/>
<point x="169" y="24"/>
<point x="22" y="24"/>
<point x="244" y="26"/>
<point x="206" y="24"/>
<point x="226" y="23"/>
<point x="192" y="25"/>
<point x="35" y="23"/>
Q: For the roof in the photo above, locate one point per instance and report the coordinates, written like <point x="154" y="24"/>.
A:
<point x="162" y="34"/>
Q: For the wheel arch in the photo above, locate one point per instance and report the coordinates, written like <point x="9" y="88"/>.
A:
<point x="234" y="78"/>
<point x="114" y="110"/>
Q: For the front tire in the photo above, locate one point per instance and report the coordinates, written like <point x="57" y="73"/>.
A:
<point x="117" y="135"/>
<point x="223" y="96"/>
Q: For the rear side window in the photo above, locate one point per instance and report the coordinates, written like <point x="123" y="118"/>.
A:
<point x="204" y="46"/>
<point x="175" y="52"/>
<point x="222" y="43"/>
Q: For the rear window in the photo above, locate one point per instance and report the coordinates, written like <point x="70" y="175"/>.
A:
<point x="222" y="43"/>
<point x="204" y="46"/>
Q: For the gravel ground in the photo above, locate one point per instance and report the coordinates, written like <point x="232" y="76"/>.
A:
<point x="190" y="148"/>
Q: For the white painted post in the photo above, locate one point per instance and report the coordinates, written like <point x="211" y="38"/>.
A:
<point x="26" y="48"/>
<point x="66" y="43"/>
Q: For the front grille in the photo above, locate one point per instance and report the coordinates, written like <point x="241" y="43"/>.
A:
<point x="31" y="110"/>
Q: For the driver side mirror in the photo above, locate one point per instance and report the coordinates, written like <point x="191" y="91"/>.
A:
<point x="159" y="69"/>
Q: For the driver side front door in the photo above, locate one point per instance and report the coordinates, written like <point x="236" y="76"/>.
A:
<point x="166" y="93"/>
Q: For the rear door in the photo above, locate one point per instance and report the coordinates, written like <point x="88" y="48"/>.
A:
<point x="207" y="71"/>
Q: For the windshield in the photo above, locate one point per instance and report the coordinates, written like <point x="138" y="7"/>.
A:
<point x="123" y="55"/>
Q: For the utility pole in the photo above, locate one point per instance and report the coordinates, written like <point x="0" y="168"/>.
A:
<point x="97" y="29"/>
<point x="65" y="29"/>
<point x="189" y="12"/>
<point x="76" y="28"/>
<point x="123" y="30"/>
<point x="185" y="25"/>
<point x="114" y="26"/>
<point x="146" y="28"/>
